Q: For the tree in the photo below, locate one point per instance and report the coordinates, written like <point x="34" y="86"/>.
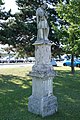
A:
<point x="28" y="18"/>
<point x="71" y="14"/>
<point x="3" y="18"/>
<point x="21" y="31"/>
<point x="0" y="2"/>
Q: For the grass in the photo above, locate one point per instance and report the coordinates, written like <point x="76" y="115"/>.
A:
<point x="15" y="88"/>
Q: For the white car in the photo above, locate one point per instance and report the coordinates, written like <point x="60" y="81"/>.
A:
<point x="53" y="62"/>
<point x="5" y="59"/>
<point x="1" y="59"/>
<point x="31" y="59"/>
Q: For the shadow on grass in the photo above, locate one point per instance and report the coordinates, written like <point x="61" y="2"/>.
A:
<point x="67" y="90"/>
<point x="14" y="93"/>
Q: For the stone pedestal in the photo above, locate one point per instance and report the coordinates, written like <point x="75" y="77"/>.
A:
<point x="42" y="101"/>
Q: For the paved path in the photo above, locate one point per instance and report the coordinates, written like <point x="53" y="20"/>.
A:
<point x="13" y="65"/>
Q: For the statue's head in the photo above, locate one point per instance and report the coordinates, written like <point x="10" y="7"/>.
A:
<point x="44" y="5"/>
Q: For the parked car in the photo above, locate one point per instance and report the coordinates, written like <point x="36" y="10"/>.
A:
<point x="53" y="62"/>
<point x="12" y="60"/>
<point x="1" y="60"/>
<point x="68" y="62"/>
<point x="5" y="59"/>
<point x="21" y="60"/>
<point x="31" y="59"/>
<point x="8" y="59"/>
<point x="58" y="59"/>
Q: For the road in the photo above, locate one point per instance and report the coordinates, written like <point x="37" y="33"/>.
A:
<point x="14" y="65"/>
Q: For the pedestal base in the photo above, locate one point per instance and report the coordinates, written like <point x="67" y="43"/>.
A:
<point x="44" y="106"/>
<point x="42" y="101"/>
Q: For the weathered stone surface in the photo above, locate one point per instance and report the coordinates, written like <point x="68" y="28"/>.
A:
<point x="42" y="24"/>
<point x="42" y="70"/>
<point x="43" y="53"/>
<point x="42" y="87"/>
<point x="42" y="42"/>
<point x="43" y="106"/>
<point x="42" y="101"/>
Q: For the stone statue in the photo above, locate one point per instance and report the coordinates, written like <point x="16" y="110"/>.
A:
<point x="42" y="101"/>
<point x="42" y="24"/>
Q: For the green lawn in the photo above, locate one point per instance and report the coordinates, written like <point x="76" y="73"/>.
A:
<point x="15" y="88"/>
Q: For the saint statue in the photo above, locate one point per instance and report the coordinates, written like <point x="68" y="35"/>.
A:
<point x="42" y="24"/>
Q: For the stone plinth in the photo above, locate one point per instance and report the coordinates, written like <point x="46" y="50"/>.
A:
<point x="42" y="106"/>
<point x="42" y="101"/>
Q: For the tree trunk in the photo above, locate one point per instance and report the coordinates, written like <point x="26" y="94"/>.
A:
<point x="72" y="64"/>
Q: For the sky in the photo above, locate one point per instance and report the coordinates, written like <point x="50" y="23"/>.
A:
<point x="10" y="4"/>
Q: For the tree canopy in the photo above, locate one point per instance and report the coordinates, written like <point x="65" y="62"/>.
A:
<point x="21" y="31"/>
<point x="70" y="13"/>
